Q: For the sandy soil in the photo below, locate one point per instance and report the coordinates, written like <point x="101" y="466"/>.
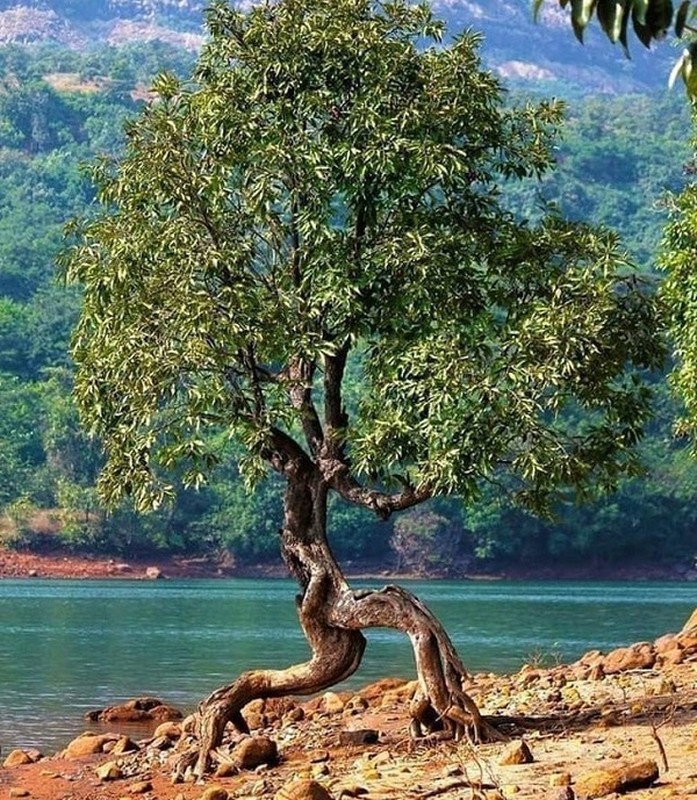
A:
<point x="24" y="564"/>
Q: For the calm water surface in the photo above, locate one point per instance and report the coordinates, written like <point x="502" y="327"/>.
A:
<point x="67" y="647"/>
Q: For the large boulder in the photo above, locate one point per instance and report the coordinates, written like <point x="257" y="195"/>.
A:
<point x="140" y="709"/>
<point x="88" y="744"/>
<point x="16" y="758"/>
<point x="254" y="751"/>
<point x="618" y="778"/>
<point x="638" y="656"/>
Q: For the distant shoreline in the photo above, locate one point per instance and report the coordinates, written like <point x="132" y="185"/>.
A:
<point x="58" y="565"/>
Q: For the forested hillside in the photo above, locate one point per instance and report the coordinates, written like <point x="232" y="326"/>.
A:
<point x="61" y="107"/>
<point x="533" y="55"/>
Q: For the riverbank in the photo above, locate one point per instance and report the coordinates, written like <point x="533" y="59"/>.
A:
<point x="63" y="565"/>
<point x="605" y="725"/>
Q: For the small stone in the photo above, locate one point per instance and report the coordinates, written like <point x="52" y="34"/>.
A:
<point x="516" y="753"/>
<point x="153" y="573"/>
<point x="170" y="729"/>
<point x="361" y="736"/>
<point x="16" y="758"/>
<point x="302" y="790"/>
<point x="226" y="769"/>
<point x="109" y="771"/>
<point x="261" y="788"/>
<point x="20" y="792"/>
<point x="564" y="793"/>
<point x="332" y="703"/>
<point x="140" y="787"/>
<point x="318" y="755"/>
<point x="560" y="779"/>
<point x="252" y="752"/>
<point x="353" y="790"/>
<point x="214" y="793"/>
<point x="296" y="714"/>
<point x="123" y="745"/>
<point x="161" y="743"/>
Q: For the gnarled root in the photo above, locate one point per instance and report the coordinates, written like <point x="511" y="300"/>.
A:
<point x="338" y="657"/>
<point x="442" y="704"/>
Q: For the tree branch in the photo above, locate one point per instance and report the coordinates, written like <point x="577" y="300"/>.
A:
<point x="336" y="473"/>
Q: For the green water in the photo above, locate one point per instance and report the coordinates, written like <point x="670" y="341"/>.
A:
<point x="67" y="647"/>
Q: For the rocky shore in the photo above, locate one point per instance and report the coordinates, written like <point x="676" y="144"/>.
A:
<point x="63" y="565"/>
<point x="607" y="725"/>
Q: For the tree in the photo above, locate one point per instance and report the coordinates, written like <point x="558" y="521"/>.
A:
<point x="326" y="188"/>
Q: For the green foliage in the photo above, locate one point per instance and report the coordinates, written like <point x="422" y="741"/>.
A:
<point x="678" y="291"/>
<point x="325" y="179"/>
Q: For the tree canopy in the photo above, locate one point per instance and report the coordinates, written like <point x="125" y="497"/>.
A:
<point x="325" y="185"/>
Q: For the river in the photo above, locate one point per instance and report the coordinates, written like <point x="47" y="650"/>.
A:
<point x="67" y="647"/>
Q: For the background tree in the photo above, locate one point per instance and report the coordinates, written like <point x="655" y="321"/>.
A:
<point x="326" y="186"/>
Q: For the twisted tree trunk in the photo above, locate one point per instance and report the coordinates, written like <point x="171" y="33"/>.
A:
<point x="332" y="617"/>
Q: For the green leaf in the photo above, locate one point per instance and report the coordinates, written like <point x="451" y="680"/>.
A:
<point x="681" y="18"/>
<point x="659" y="17"/>
<point x="610" y="16"/>
<point x="581" y="13"/>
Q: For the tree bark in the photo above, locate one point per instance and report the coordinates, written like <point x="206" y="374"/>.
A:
<point x="332" y="617"/>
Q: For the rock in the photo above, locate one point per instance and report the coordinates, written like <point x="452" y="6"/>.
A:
<point x="123" y="745"/>
<point x="353" y="790"/>
<point x="109" y="771"/>
<point x="87" y="744"/>
<point x="355" y="705"/>
<point x="140" y="787"/>
<point x="140" y="709"/>
<point x="302" y="790"/>
<point x="225" y="769"/>
<point x="516" y="753"/>
<point x="362" y="736"/>
<point x="596" y="672"/>
<point x="691" y="622"/>
<point x="214" y="793"/>
<point x="15" y="792"/>
<point x="332" y="703"/>
<point x="296" y="714"/>
<point x="123" y="567"/>
<point x="617" y="778"/>
<point x="172" y="730"/>
<point x="560" y="779"/>
<point x="16" y="758"/>
<point x="638" y="656"/>
<point x="376" y="691"/>
<point x="153" y="573"/>
<point x="256" y="750"/>
<point x="565" y="793"/>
